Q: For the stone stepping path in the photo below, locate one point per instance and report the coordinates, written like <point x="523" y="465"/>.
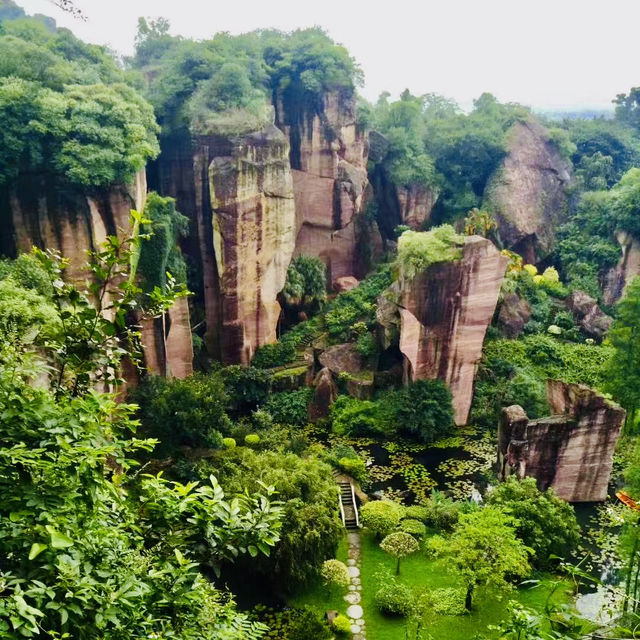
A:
<point x="355" y="613"/>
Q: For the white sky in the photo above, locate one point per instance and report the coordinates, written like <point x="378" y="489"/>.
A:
<point x="544" y="53"/>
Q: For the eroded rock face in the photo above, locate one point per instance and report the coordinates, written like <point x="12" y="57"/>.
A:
<point x="571" y="450"/>
<point x="625" y="271"/>
<point x="324" y="395"/>
<point x="342" y="357"/>
<point x="445" y="312"/>
<point x="514" y="313"/>
<point x="527" y="193"/>
<point x="39" y="212"/>
<point x="253" y="225"/>
<point x="328" y="163"/>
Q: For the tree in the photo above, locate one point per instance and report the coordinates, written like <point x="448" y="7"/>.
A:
<point x="381" y="516"/>
<point x="623" y="378"/>
<point x="547" y="524"/>
<point x="306" y="286"/>
<point x="484" y="550"/>
<point x="399" y="545"/>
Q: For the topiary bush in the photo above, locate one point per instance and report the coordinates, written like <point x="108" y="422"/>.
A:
<point x="334" y="572"/>
<point x="341" y="625"/>
<point x="394" y="598"/>
<point x="229" y="443"/>
<point x="413" y="527"/>
<point x="448" y="601"/>
<point x="252" y="439"/>
<point x="381" y="516"/>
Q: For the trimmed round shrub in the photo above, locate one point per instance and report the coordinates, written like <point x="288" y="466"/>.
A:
<point x="341" y="624"/>
<point x="414" y="527"/>
<point x="416" y="512"/>
<point x="394" y="598"/>
<point x="252" y="439"/>
<point x="381" y="516"/>
<point x="228" y="443"/>
<point x="336" y="573"/>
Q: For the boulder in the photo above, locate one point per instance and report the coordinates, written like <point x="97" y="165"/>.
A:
<point x="324" y="395"/>
<point x="345" y="283"/>
<point x="514" y="313"/>
<point x="342" y="357"/>
<point x="592" y="320"/>
<point x="570" y="451"/>
<point x="444" y="315"/>
<point x="527" y="192"/>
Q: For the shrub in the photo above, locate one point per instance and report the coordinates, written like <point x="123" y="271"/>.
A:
<point x="252" y="439"/>
<point x="442" y="512"/>
<point x="229" y="443"/>
<point x="274" y="355"/>
<point x="351" y="416"/>
<point x="261" y="419"/>
<point x="416" y="512"/>
<point x="334" y="572"/>
<point x="448" y="601"/>
<point x="354" y="467"/>
<point x="290" y="407"/>
<point x="341" y="624"/>
<point x="413" y="527"/>
<point x="367" y="345"/>
<point x="399" y="545"/>
<point x="306" y="284"/>
<point x="381" y="516"/>
<point x="247" y="387"/>
<point x="394" y="598"/>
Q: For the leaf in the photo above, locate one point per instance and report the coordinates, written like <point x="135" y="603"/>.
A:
<point x="253" y="551"/>
<point x="59" y="540"/>
<point x="36" y="549"/>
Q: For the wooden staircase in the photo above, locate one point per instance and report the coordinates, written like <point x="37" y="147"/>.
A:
<point x="348" y="507"/>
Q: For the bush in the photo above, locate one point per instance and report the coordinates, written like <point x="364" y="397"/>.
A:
<point x="274" y="355"/>
<point x="413" y="527"/>
<point x="351" y="416"/>
<point x="252" y="439"/>
<point x="290" y="407"/>
<point x="306" y="284"/>
<point x="334" y="572"/>
<point x="416" y="512"/>
<point x="448" y="601"/>
<point x="341" y="624"/>
<point x="546" y="523"/>
<point x="442" y="512"/>
<point x="394" y="598"/>
<point x="246" y="387"/>
<point x="354" y="467"/>
<point x="381" y="516"/>
<point x="229" y="443"/>
<point x="296" y="624"/>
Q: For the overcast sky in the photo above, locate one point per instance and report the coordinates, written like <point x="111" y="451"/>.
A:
<point x="543" y="53"/>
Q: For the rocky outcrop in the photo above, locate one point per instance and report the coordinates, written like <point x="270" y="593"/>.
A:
<point x="570" y="451"/>
<point x="444" y="315"/>
<point x="328" y="163"/>
<point x="37" y="211"/>
<point x="590" y="318"/>
<point x="617" y="279"/>
<point x="514" y="313"/>
<point x="409" y="205"/>
<point x="527" y="193"/>
<point x="342" y="358"/>
<point x="345" y="283"/>
<point x="249" y="212"/>
<point x="324" y="395"/>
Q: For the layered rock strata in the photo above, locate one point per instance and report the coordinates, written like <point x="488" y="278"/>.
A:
<point x="527" y="193"/>
<point x="444" y="315"/>
<point x="570" y="451"/>
<point x="247" y="206"/>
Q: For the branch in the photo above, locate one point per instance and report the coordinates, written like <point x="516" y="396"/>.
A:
<point x="70" y="7"/>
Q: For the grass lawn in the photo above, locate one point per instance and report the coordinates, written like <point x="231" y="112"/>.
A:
<point x="421" y="572"/>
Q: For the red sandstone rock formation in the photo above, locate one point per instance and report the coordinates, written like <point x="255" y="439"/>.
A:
<point x="527" y="193"/>
<point x="570" y="451"/>
<point x="627" y="269"/>
<point x="43" y="214"/>
<point x="324" y="395"/>
<point x="328" y="162"/>
<point x="250" y="195"/>
<point x="445" y="312"/>
<point x="515" y="312"/>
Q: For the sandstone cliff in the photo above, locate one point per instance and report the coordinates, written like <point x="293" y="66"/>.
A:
<point x="444" y="315"/>
<point x="570" y="451"/>
<point x="527" y="193"/>
<point x="328" y="166"/>
<point x="245" y="218"/>
<point x="36" y="211"/>
<point x="626" y="270"/>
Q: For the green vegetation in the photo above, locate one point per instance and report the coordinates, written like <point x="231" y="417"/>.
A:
<point x="306" y="286"/>
<point x="399" y="544"/>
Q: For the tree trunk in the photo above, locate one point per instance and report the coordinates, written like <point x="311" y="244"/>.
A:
<point x="467" y="600"/>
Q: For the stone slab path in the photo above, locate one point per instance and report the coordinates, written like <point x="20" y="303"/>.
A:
<point x="355" y="612"/>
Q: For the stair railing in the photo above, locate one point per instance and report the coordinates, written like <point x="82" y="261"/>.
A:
<point x="355" y="505"/>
